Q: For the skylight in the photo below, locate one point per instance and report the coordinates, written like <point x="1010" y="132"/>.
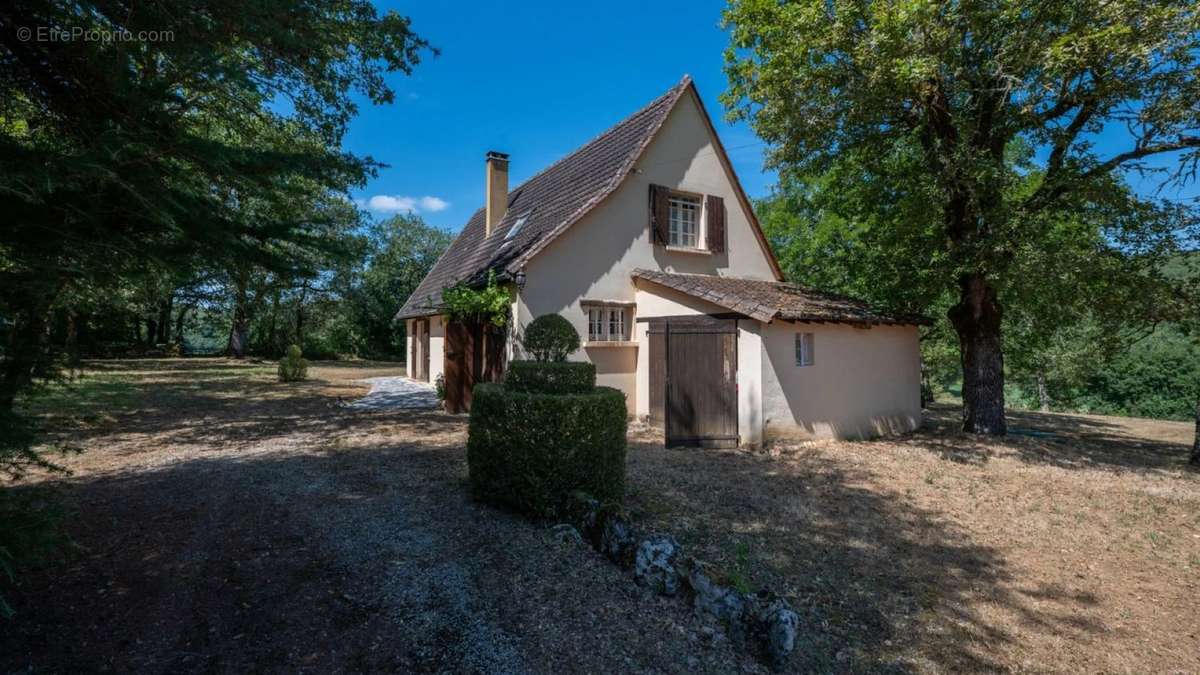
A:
<point x="516" y="227"/>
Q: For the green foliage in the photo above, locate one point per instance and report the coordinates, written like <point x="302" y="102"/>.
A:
<point x="528" y="451"/>
<point x="30" y="532"/>
<point x="549" y="377"/>
<point x="218" y="146"/>
<point x="293" y="367"/>
<point x="910" y="140"/>
<point x="439" y="387"/>
<point x="1158" y="377"/>
<point x="30" y="519"/>
<point x="550" y="337"/>
<point x="489" y="304"/>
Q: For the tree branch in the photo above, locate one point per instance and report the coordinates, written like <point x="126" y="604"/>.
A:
<point x="1183" y="143"/>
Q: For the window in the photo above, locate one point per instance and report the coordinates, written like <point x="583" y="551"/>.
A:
<point x="804" y="349"/>
<point x="616" y="324"/>
<point x="595" y="324"/>
<point x="607" y="323"/>
<point x="684" y="221"/>
<point x="516" y="227"/>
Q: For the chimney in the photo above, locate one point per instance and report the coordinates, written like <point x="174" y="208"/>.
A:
<point x="497" y="188"/>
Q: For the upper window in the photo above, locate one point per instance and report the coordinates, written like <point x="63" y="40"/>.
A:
<point x="804" y="349"/>
<point x="684" y="221"/>
<point x="607" y="324"/>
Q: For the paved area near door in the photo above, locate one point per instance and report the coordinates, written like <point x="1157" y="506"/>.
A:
<point x="397" y="393"/>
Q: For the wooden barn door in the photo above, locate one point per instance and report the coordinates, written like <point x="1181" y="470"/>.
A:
<point x="460" y="372"/>
<point x="425" y="350"/>
<point x="474" y="353"/>
<point x="420" y="350"/>
<point x="693" y="380"/>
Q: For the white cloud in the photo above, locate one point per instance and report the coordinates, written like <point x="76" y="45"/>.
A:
<point x="433" y="204"/>
<point x="405" y="204"/>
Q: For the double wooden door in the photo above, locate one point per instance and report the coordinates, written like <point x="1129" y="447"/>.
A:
<point x="693" y="380"/>
<point x="475" y="352"/>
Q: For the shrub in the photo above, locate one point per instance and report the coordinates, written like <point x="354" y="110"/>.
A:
<point x="439" y="387"/>
<point x="551" y="338"/>
<point x="293" y="367"/>
<point x="528" y="451"/>
<point x="544" y="377"/>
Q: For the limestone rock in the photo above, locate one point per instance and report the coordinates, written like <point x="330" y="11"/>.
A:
<point x="654" y="564"/>
<point x="565" y="533"/>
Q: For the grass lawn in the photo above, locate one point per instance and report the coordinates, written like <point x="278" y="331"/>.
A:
<point x="1072" y="545"/>
<point x="225" y="521"/>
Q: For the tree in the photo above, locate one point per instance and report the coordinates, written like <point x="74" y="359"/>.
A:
<point x="213" y="139"/>
<point x="403" y="249"/>
<point x="929" y="99"/>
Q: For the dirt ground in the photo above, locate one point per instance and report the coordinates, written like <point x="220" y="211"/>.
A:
<point x="225" y="522"/>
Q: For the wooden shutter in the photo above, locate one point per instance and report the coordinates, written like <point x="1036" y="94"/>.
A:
<point x="659" y="214"/>
<point x="715" y="210"/>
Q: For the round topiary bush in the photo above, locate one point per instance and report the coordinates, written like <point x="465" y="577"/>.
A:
<point x="528" y="450"/>
<point x="293" y="367"/>
<point x="550" y="338"/>
<point x="567" y="377"/>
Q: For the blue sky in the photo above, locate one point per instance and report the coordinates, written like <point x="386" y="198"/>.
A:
<point x="537" y="79"/>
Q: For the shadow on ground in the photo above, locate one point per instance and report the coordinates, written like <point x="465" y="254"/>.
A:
<point x="1062" y="440"/>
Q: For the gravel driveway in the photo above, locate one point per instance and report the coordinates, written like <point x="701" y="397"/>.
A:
<point x="397" y="393"/>
<point x="241" y="525"/>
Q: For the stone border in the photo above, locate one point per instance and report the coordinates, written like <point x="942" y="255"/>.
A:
<point x="659" y="565"/>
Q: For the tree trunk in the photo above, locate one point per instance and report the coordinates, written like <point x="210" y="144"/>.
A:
<point x="300" y="318"/>
<point x="1043" y="393"/>
<point x="164" y="319"/>
<point x="72" y="340"/>
<point x="976" y="319"/>
<point x="239" y="329"/>
<point x="26" y="340"/>
<point x="180" y="322"/>
<point x="1196" y="441"/>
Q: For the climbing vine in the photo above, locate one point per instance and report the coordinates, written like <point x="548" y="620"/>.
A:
<point x="489" y="304"/>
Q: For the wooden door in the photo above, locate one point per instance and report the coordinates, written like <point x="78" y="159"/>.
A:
<point x="693" y="373"/>
<point x="424" y="350"/>
<point x="419" y="359"/>
<point x="460" y="370"/>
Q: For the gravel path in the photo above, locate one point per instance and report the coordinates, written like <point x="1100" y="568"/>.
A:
<point x="266" y="530"/>
<point x="397" y="393"/>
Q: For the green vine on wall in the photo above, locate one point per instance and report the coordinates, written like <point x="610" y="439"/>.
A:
<point x="489" y="304"/>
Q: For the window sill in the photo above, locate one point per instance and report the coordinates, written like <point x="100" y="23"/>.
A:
<point x="688" y="249"/>
<point x="612" y="344"/>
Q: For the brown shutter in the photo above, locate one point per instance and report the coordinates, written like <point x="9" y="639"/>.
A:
<point x="716" y="223"/>
<point x="659" y="214"/>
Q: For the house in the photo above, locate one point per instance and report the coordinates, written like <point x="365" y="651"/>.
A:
<point x="644" y="239"/>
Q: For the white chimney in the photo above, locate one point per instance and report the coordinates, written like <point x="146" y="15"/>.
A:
<point x="497" y="188"/>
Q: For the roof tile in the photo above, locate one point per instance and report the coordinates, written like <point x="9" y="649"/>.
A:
<point x="768" y="300"/>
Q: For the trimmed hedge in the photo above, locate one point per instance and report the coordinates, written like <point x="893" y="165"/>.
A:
<point x="566" y="377"/>
<point x="528" y="451"/>
<point x="550" y="337"/>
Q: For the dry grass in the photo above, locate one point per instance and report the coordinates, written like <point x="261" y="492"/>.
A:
<point x="1071" y="546"/>
<point x="228" y="522"/>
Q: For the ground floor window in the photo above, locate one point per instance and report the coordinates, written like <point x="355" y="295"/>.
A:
<point x="804" y="349"/>
<point x="607" y="323"/>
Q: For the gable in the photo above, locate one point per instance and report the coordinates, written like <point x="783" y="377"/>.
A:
<point x="670" y="141"/>
<point x="597" y="256"/>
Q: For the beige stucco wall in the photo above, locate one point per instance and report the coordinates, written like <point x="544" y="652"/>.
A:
<point x="593" y="259"/>
<point x="863" y="382"/>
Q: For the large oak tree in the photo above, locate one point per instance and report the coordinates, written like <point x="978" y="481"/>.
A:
<point x="957" y="84"/>
<point x="174" y="133"/>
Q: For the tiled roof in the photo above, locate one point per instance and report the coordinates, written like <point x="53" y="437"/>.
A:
<point x="549" y="202"/>
<point x="769" y="300"/>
